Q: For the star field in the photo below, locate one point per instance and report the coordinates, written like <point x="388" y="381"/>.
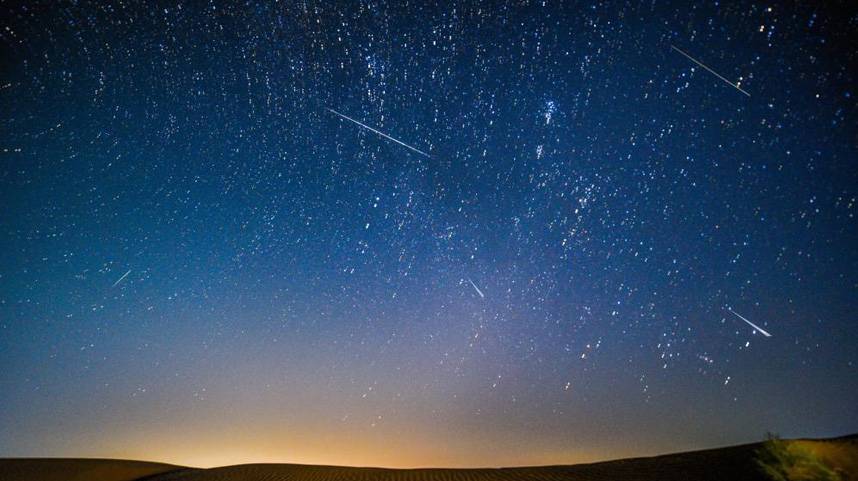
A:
<point x="392" y="234"/>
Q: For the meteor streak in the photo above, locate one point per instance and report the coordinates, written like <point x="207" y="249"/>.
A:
<point x="377" y="132"/>
<point x="689" y="57"/>
<point x="762" y="331"/>
<point x="120" y="279"/>
<point x="477" y="289"/>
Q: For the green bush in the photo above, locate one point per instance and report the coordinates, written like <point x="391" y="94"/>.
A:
<point x="786" y="461"/>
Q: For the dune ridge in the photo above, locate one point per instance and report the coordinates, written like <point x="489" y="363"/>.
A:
<point x="79" y="469"/>
<point x="734" y="463"/>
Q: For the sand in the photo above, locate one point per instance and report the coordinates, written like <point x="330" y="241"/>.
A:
<point x="57" y="469"/>
<point x="732" y="463"/>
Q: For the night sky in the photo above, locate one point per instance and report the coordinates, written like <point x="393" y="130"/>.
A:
<point x="554" y="254"/>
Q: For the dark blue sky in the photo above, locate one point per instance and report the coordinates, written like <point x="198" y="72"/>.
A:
<point x="552" y="283"/>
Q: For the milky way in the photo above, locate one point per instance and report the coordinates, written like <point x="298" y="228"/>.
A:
<point x="200" y="263"/>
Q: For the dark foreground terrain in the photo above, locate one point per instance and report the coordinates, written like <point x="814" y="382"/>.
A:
<point x="732" y="463"/>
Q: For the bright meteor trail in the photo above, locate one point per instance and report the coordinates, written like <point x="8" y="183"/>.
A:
<point x="377" y="132"/>
<point x="689" y="57"/>
<point x="762" y="331"/>
<point x="120" y="279"/>
<point x="477" y="289"/>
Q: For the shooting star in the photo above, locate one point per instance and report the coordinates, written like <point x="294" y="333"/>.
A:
<point x="477" y="289"/>
<point x="762" y="331"/>
<point x="377" y="132"/>
<point x="120" y="279"/>
<point x="689" y="57"/>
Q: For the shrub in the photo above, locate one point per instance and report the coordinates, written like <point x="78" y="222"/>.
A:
<point x="786" y="461"/>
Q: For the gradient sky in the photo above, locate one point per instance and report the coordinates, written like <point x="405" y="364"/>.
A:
<point x="201" y="264"/>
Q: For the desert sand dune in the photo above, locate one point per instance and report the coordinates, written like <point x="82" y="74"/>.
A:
<point x="716" y="465"/>
<point x="57" y="469"/>
<point x="735" y="463"/>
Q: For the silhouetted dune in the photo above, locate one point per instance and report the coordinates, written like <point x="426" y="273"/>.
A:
<point x="734" y="463"/>
<point x="58" y="469"/>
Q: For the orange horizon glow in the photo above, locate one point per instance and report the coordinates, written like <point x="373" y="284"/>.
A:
<point x="342" y="454"/>
<point x="209" y="451"/>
